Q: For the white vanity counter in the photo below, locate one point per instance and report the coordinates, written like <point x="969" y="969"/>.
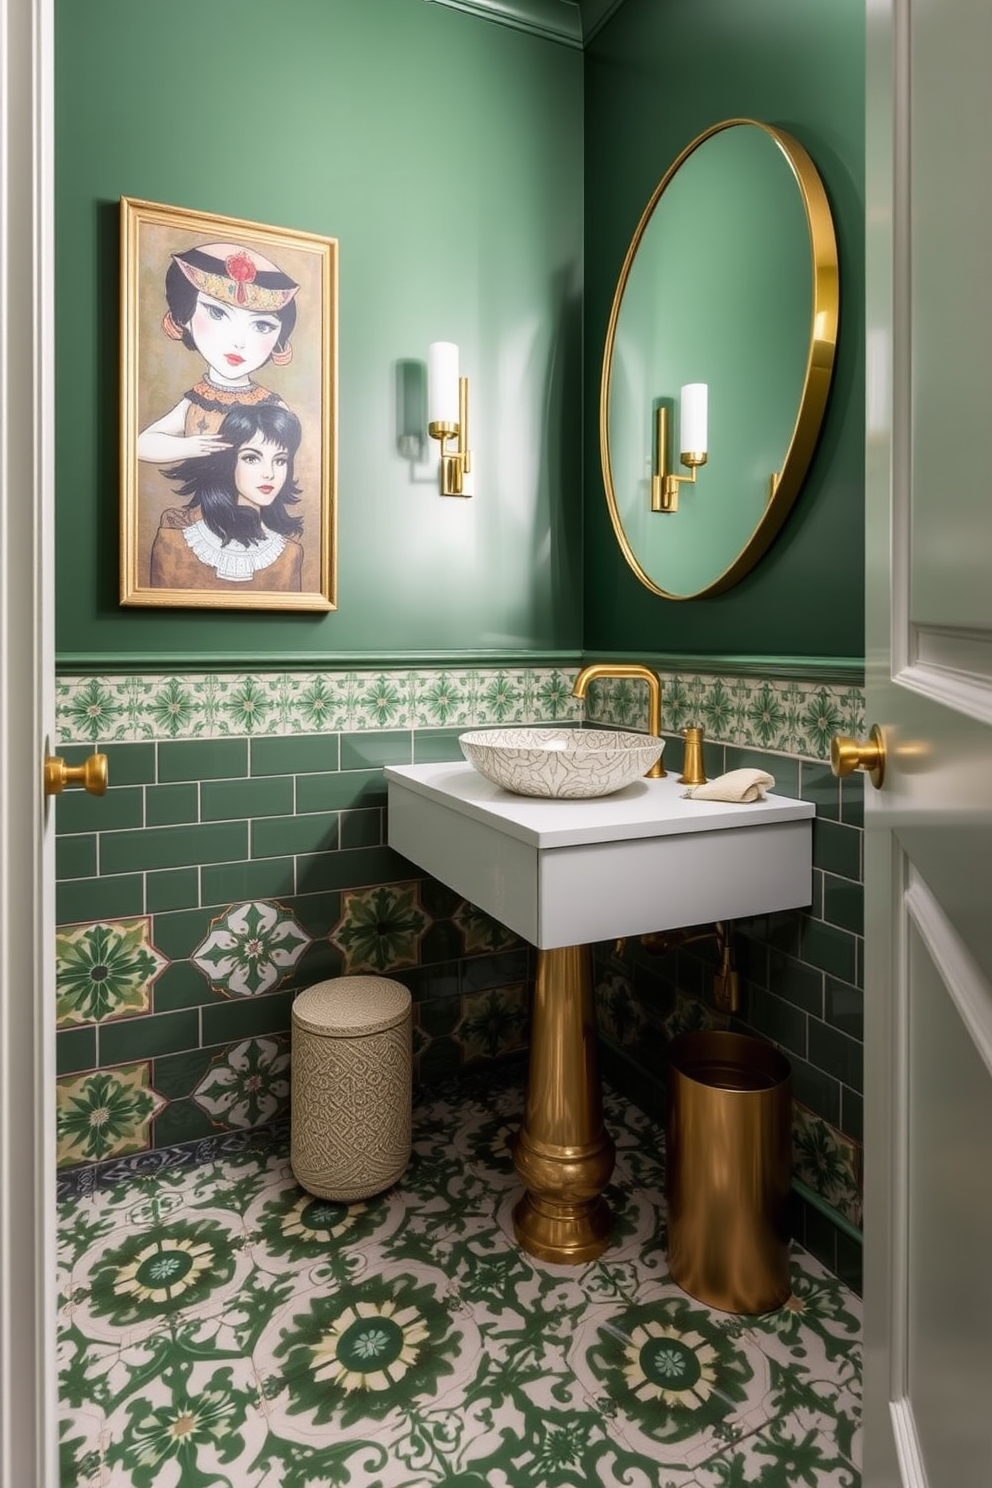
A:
<point x="572" y="872"/>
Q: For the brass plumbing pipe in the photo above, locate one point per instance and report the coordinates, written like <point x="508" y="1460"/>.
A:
<point x="726" y="982"/>
<point x="633" y="670"/>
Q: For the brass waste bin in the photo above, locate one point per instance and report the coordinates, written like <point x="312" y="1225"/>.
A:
<point x="728" y="1170"/>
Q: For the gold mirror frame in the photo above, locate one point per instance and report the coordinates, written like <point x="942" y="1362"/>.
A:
<point x="819" y="363"/>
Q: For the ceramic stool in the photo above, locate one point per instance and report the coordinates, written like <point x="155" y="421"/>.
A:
<point x="351" y="1089"/>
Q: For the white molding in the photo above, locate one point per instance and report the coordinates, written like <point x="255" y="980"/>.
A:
<point x="954" y="667"/>
<point x="966" y="986"/>
<point x="556" y="20"/>
<point x="28" y="1413"/>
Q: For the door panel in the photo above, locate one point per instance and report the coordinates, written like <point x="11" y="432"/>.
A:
<point x="928" y="850"/>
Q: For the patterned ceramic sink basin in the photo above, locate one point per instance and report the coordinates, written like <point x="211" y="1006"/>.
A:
<point x="563" y="762"/>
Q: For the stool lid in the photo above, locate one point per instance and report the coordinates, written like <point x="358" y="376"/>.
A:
<point x="350" y="1005"/>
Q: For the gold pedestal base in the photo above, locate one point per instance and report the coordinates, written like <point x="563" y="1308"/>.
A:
<point x="562" y="1152"/>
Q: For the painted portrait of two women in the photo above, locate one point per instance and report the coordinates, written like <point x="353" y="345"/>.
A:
<point x="228" y="362"/>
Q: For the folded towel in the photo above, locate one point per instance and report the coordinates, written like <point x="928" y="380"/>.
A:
<point x="736" y="785"/>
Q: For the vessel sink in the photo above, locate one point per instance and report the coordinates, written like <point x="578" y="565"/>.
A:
<point x="561" y="763"/>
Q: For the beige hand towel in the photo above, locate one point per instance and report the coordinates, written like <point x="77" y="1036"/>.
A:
<point x="736" y="785"/>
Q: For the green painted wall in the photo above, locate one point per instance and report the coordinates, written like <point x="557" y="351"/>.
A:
<point x="445" y="154"/>
<point x="657" y="75"/>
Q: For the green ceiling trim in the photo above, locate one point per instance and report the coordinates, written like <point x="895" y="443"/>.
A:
<point x="556" y="20"/>
<point x="574" y="23"/>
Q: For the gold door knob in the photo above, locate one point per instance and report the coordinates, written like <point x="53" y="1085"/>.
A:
<point x="847" y="755"/>
<point x="91" y="775"/>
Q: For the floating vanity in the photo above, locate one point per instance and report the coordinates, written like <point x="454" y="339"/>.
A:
<point x="564" y="874"/>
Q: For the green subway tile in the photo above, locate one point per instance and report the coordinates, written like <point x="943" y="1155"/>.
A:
<point x="816" y="1090"/>
<point x="820" y="1237"/>
<point x="78" y="811"/>
<point x="852" y="1114"/>
<point x="318" y="913"/>
<point x="181" y="1121"/>
<point x="430" y="983"/>
<point x="819" y="785"/>
<point x="99" y="898"/>
<point x="247" y="1017"/>
<point x="301" y="756"/>
<point x="479" y="973"/>
<point x="75" y="1049"/>
<point x="844" y="1008"/>
<point x="172" y="888"/>
<point x="779" y="1021"/>
<point x="268" y="878"/>
<point x="178" y="935"/>
<point x="165" y="805"/>
<point x="203" y="759"/>
<point x="127" y="764"/>
<point x="439" y="1016"/>
<point x="75" y="857"/>
<point x="850" y="1263"/>
<point x="130" y="764"/>
<point x="836" y="1054"/>
<point x="348" y="789"/>
<point x="361" y="828"/>
<point x="833" y="951"/>
<point x="320" y="962"/>
<point x="816" y="894"/>
<point x="144" y="1038"/>
<point x="442" y="1057"/>
<point x="182" y="985"/>
<point x="365" y="751"/>
<point x="315" y="832"/>
<point x="436" y="746"/>
<point x="795" y="982"/>
<point x="358" y="868"/>
<point x="852" y="800"/>
<point x="173" y="847"/>
<point x="837" y="849"/>
<point x="784" y="769"/>
<point x="844" y="903"/>
<point x="176" y="1075"/>
<point x="226" y="800"/>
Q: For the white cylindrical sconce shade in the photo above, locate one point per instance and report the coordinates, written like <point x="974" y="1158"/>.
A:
<point x="692" y="427"/>
<point x="442" y="383"/>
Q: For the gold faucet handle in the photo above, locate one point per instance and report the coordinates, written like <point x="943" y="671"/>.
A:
<point x="92" y="775"/>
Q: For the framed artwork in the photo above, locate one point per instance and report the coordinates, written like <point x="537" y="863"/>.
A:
<point x="228" y="412"/>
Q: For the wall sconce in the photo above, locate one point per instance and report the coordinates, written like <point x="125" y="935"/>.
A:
<point x="692" y="444"/>
<point x="447" y="416"/>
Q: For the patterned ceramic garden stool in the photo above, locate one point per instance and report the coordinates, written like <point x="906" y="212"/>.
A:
<point x="351" y="1086"/>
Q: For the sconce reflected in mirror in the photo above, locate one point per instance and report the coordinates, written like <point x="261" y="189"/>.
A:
<point x="447" y="416"/>
<point x="692" y="446"/>
<point x="731" y="275"/>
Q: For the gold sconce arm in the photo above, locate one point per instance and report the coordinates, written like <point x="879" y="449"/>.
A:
<point x="456" y="463"/>
<point x="664" y="485"/>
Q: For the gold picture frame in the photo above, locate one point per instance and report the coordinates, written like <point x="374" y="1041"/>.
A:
<point x="228" y="483"/>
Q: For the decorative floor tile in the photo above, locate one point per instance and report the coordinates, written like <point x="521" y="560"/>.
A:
<point x="221" y="1326"/>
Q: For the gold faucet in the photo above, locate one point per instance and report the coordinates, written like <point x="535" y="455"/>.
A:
<point x="629" y="669"/>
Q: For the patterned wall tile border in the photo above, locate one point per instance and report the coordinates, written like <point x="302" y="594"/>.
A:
<point x="785" y="716"/>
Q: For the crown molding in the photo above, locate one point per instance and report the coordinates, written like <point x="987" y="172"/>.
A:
<point x="555" y="20"/>
<point x="571" y="22"/>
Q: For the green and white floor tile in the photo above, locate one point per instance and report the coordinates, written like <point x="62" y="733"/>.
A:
<point x="219" y="1328"/>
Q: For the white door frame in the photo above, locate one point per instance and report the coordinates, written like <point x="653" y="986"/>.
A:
<point x="28" y="1413"/>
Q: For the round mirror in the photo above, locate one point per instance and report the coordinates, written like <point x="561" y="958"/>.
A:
<point x="722" y="333"/>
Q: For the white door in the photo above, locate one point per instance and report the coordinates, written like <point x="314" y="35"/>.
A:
<point x="928" y="1137"/>
<point x="27" y="892"/>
